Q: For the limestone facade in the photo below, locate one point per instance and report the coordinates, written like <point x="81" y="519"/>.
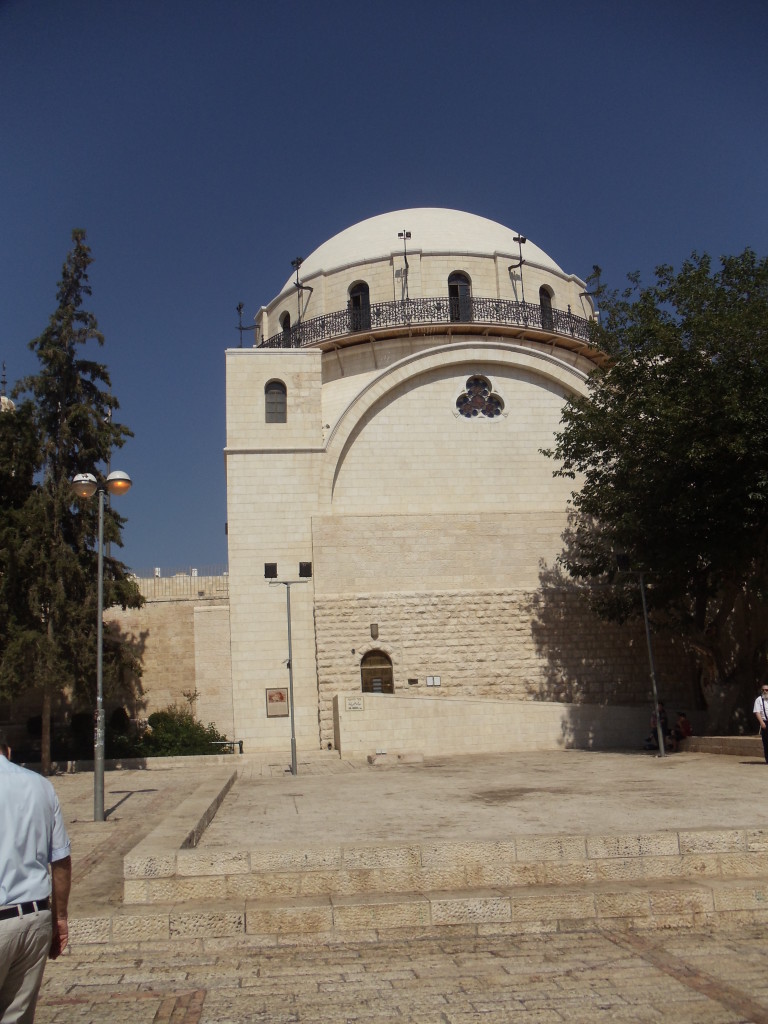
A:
<point x="420" y="497"/>
<point x="181" y="635"/>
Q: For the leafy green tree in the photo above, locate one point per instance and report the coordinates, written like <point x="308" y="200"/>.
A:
<point x="49" y="580"/>
<point x="669" y="449"/>
<point x="19" y="461"/>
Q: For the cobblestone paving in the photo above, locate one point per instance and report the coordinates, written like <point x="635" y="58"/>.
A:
<point x="680" y="977"/>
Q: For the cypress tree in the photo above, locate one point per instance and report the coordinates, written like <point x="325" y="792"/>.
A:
<point x="48" y="640"/>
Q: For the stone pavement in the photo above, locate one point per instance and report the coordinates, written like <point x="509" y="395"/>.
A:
<point x="685" y="978"/>
<point x="134" y="802"/>
<point x="490" y="796"/>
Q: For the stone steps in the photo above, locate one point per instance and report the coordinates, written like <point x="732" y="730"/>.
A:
<point x="260" y="895"/>
<point x="722" y="903"/>
<point x="352" y="869"/>
<point x="348" y="892"/>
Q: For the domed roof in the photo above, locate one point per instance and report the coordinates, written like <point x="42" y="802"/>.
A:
<point x="433" y="230"/>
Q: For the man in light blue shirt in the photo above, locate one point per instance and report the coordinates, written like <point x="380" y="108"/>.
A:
<point x="33" y="902"/>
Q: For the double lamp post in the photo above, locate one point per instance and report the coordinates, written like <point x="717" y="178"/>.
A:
<point x="85" y="485"/>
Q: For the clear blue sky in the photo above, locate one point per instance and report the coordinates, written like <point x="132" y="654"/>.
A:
<point x="203" y="145"/>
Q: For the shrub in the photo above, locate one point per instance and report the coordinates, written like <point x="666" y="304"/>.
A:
<point x="177" y="731"/>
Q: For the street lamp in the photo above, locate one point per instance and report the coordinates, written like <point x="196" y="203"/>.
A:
<point x="622" y="562"/>
<point x="288" y="584"/>
<point x="85" y="485"/>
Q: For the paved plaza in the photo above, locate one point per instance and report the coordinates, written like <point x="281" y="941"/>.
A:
<point x="455" y="977"/>
<point x="582" y="979"/>
<point x="490" y="796"/>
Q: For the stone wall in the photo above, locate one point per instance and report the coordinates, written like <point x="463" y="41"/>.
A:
<point x="183" y="644"/>
<point x="495" y="645"/>
<point x="369" y="724"/>
<point x="213" y="672"/>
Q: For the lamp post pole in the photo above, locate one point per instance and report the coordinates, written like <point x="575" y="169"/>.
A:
<point x="98" y="746"/>
<point x="294" y="767"/>
<point x="85" y="485"/>
<point x="288" y="584"/>
<point x="622" y="562"/>
<point x="659" y="730"/>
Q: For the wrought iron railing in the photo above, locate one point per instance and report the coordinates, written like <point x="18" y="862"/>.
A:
<point x="440" y="310"/>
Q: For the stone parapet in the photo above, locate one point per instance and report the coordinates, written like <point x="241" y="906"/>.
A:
<point x="370" y="724"/>
<point x="736" y="746"/>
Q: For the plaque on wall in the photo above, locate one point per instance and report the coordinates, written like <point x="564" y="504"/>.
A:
<point x="354" y="703"/>
<point x="277" y="702"/>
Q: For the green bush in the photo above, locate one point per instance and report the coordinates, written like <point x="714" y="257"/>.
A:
<point x="177" y="731"/>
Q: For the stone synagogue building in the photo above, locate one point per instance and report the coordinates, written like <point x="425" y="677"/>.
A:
<point x="383" y="451"/>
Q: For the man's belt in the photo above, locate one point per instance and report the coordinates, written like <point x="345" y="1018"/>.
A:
<point x="20" y="909"/>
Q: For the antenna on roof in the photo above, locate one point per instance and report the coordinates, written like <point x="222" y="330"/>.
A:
<point x="241" y="329"/>
<point x="301" y="287"/>
<point x="296" y="264"/>
<point x="3" y="382"/>
<point x="405" y="235"/>
<point x="519" y="265"/>
<point x="594" y="278"/>
<point x="597" y="291"/>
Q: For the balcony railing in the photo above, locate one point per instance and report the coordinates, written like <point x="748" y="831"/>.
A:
<point x="440" y="310"/>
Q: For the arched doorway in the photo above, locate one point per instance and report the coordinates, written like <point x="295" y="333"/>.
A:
<point x="359" y="307"/>
<point x="545" y="302"/>
<point x="376" y="673"/>
<point x="459" y="298"/>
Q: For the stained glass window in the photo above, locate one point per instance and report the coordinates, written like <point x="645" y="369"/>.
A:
<point x="479" y="399"/>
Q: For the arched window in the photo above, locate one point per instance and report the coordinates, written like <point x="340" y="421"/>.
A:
<point x="459" y="298"/>
<point x="285" y="323"/>
<point x="545" y="301"/>
<point x="275" y="402"/>
<point x="376" y="673"/>
<point x="359" y="307"/>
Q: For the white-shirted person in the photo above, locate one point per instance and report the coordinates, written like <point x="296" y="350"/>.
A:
<point x="33" y="899"/>
<point x="761" y="714"/>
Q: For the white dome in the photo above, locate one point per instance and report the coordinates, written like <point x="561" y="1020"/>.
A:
<point x="432" y="231"/>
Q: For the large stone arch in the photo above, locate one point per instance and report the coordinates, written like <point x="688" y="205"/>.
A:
<point x="542" y="364"/>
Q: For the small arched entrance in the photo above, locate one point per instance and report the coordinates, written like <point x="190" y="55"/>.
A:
<point x="459" y="298"/>
<point x="359" y="307"/>
<point x="376" y="673"/>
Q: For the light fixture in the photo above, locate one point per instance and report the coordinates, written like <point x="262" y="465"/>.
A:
<point x="118" y="482"/>
<point x="85" y="485"/>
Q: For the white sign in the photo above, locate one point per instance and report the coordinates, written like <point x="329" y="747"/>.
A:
<point x="354" y="703"/>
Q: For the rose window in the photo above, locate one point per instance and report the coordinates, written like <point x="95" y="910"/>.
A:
<point x="479" y="399"/>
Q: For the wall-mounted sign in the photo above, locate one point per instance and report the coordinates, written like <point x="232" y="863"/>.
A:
<point x="354" y="703"/>
<point x="277" y="702"/>
<point x="433" y="680"/>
